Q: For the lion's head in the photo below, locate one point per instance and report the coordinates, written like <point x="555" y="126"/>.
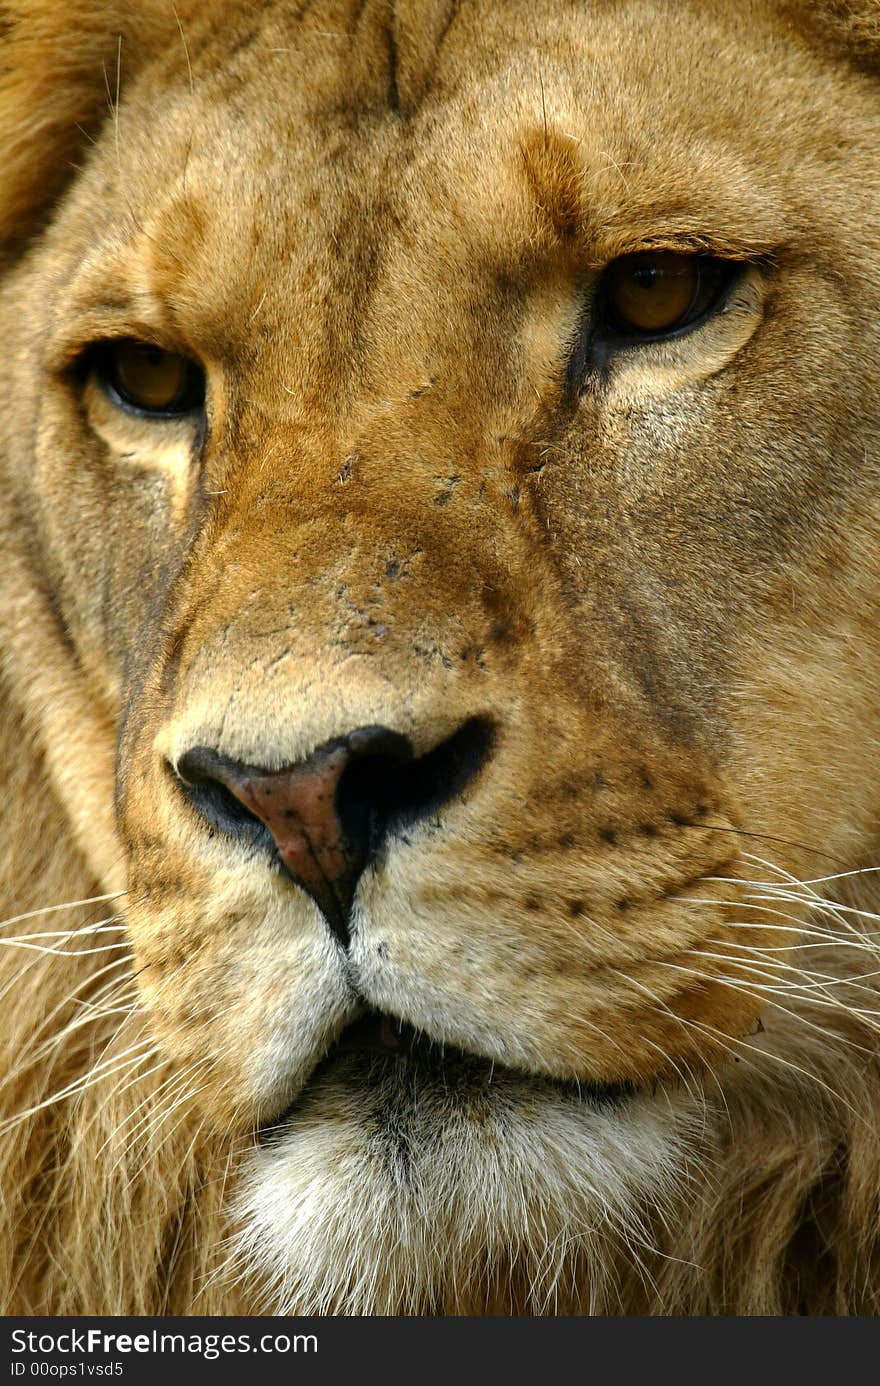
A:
<point x="440" y="634"/>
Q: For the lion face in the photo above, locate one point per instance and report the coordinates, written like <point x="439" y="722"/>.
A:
<point x="456" y="471"/>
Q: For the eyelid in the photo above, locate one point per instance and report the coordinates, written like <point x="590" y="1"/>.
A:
<point x="78" y="337"/>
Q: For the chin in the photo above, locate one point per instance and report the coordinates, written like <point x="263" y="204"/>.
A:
<point x="446" y="1184"/>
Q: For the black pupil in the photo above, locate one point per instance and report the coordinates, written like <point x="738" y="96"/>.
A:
<point x="646" y="276"/>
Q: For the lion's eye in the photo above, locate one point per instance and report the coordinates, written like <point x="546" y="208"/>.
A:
<point x="145" y="378"/>
<point x="658" y="293"/>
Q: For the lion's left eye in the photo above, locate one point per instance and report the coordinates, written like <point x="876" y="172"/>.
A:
<point x="656" y="294"/>
<point x="145" y="378"/>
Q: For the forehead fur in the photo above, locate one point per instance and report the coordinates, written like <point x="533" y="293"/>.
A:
<point x="601" y="140"/>
<point x="67" y="67"/>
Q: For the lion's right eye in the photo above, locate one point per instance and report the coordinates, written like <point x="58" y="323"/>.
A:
<point x="148" y="380"/>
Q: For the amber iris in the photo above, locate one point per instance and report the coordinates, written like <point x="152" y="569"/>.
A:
<point x="151" y="380"/>
<point x="654" y="293"/>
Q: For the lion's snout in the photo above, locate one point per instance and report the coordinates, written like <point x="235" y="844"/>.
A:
<point x="328" y="816"/>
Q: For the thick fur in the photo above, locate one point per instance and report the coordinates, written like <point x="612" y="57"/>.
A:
<point x="418" y="500"/>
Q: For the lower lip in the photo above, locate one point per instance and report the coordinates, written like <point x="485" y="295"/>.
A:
<point x="387" y="1046"/>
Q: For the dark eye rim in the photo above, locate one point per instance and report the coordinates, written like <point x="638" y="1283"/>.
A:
<point x="189" y="403"/>
<point x="609" y="330"/>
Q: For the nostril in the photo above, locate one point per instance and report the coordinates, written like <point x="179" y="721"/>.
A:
<point x="327" y="816"/>
<point x="386" y="787"/>
<point x="199" y="774"/>
<point x="378" y="758"/>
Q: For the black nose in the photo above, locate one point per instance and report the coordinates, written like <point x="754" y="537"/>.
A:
<point x="330" y="815"/>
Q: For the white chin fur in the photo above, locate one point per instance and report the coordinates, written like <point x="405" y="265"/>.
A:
<point x="404" y="1197"/>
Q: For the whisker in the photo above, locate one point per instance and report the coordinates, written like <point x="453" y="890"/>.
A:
<point x="61" y="952"/>
<point x="806" y="977"/>
<point x="763" y="837"/>
<point x="95" y="1075"/>
<point x="65" y="905"/>
<point x="842" y="875"/>
<point x="860" y="940"/>
<point x="745" y="987"/>
<point x="727" y="1042"/>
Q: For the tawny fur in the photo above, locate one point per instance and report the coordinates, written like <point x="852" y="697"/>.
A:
<point x="665" y="596"/>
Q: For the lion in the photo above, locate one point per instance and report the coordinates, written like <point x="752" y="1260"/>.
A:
<point x="440" y="657"/>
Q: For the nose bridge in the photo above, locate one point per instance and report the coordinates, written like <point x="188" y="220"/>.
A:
<point x="348" y="550"/>
<point x="351" y="518"/>
<point x="318" y="620"/>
